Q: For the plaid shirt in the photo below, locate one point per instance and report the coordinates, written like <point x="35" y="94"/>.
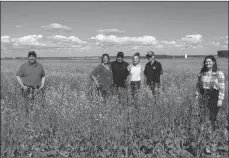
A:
<point x="216" y="81"/>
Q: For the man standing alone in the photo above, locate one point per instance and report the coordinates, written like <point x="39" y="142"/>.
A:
<point x="31" y="76"/>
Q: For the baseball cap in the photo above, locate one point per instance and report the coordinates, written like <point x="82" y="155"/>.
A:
<point x="150" y="54"/>
<point x="120" y="54"/>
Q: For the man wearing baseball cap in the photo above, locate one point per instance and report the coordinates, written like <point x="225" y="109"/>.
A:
<point x="120" y="73"/>
<point x="153" y="73"/>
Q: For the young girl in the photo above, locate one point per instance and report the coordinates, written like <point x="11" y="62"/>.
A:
<point x="210" y="88"/>
<point x="135" y="74"/>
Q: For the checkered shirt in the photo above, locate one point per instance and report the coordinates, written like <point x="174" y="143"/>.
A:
<point x="216" y="81"/>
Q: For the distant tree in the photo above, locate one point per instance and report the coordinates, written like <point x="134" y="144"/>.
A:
<point x="222" y="53"/>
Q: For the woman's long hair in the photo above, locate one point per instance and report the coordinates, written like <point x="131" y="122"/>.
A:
<point x="107" y="57"/>
<point x="204" y="68"/>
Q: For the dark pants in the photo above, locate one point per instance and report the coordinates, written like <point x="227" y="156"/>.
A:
<point x="29" y="92"/>
<point x="121" y="91"/>
<point x="29" y="95"/>
<point x="104" y="93"/>
<point x="208" y="104"/>
<point x="135" y="87"/>
<point x="155" y="87"/>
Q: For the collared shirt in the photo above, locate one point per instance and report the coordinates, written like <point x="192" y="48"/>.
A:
<point x="135" y="72"/>
<point x="120" y="73"/>
<point x="103" y="75"/>
<point x="215" y="80"/>
<point x="153" y="72"/>
<point x="31" y="74"/>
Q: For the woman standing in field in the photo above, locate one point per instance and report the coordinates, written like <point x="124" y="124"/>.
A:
<point x="102" y="77"/>
<point x="135" y="75"/>
<point x="210" y="88"/>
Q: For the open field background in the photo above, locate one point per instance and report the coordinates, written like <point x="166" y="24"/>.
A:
<point x="71" y="124"/>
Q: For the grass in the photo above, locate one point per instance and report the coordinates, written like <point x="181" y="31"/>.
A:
<point x="72" y="125"/>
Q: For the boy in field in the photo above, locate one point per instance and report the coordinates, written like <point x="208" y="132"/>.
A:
<point x="153" y="73"/>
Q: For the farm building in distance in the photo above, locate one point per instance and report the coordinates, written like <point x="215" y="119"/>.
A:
<point x="222" y="53"/>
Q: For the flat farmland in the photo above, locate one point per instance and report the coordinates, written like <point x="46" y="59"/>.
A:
<point x="71" y="121"/>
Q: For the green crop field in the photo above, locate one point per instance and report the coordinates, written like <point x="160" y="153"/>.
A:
<point x="73" y="122"/>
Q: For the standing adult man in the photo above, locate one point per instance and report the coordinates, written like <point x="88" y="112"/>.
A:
<point x="31" y="76"/>
<point x="120" y="73"/>
<point x="153" y="73"/>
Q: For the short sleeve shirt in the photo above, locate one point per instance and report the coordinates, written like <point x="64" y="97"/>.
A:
<point x="31" y="74"/>
<point x="153" y="72"/>
<point x="103" y="75"/>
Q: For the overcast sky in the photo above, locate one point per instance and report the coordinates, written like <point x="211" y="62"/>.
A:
<point x="91" y="28"/>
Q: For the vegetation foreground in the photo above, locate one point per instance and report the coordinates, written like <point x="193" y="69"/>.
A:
<point x="72" y="121"/>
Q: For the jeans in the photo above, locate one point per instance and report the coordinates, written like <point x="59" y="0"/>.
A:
<point x="208" y="104"/>
<point x="135" y="87"/>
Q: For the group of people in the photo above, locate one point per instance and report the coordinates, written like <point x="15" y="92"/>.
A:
<point x="118" y="75"/>
<point x="113" y="76"/>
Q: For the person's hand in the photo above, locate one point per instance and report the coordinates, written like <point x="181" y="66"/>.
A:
<point x="24" y="87"/>
<point x="219" y="103"/>
<point x="196" y="97"/>
<point x="97" y="83"/>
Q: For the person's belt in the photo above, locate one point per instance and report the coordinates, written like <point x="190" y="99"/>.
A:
<point x="34" y="87"/>
<point x="203" y="90"/>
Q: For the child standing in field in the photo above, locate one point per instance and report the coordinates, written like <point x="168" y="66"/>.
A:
<point x="135" y="75"/>
<point x="210" y="89"/>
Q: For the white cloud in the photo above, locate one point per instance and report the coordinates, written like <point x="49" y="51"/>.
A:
<point x="19" y="26"/>
<point x="169" y="42"/>
<point x="56" y="26"/>
<point x="41" y="42"/>
<point x="221" y="43"/>
<point x="5" y="39"/>
<point x="193" y="41"/>
<point x="72" y="39"/>
<point x="109" y="31"/>
<point x="30" y="40"/>
<point x="111" y="40"/>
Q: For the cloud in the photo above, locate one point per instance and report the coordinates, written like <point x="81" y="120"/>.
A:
<point x="56" y="26"/>
<point x="19" y="26"/>
<point x="112" y="40"/>
<point x="41" y="42"/>
<point x="221" y="43"/>
<point x="30" y="40"/>
<point x="109" y="31"/>
<point x="72" y="39"/>
<point x="191" y="41"/>
<point x="5" y="39"/>
<point x="169" y="42"/>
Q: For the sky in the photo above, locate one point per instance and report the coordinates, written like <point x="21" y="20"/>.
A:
<point x="56" y="29"/>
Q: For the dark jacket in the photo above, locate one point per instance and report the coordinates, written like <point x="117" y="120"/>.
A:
<point x="120" y="73"/>
<point x="153" y="72"/>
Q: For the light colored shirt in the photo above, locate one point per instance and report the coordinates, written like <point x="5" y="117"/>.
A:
<point x="135" y="72"/>
<point x="215" y="80"/>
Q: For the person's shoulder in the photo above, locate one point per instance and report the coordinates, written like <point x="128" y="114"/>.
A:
<point x="148" y="63"/>
<point x="220" y="73"/>
<point x="126" y="63"/>
<point x="113" y="62"/>
<point x="39" y="64"/>
<point x="25" y="64"/>
<point x="157" y="62"/>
